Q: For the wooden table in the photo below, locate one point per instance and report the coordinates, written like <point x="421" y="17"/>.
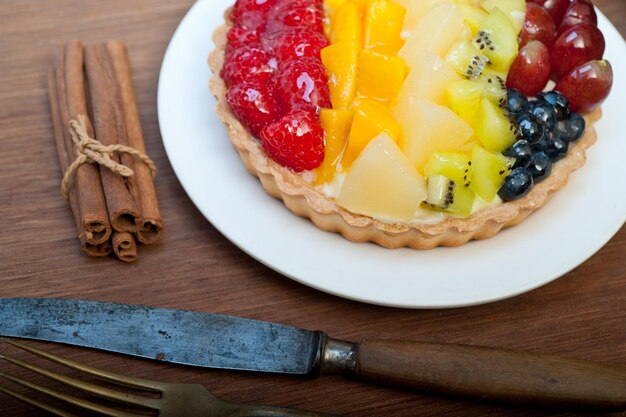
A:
<point x="581" y="315"/>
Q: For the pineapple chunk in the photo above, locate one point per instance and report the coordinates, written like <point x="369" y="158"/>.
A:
<point x="382" y="183"/>
<point x="493" y="128"/>
<point x="340" y="61"/>
<point x="428" y="128"/>
<point x="435" y="33"/>
<point x="463" y="98"/>
<point x="514" y="9"/>
<point x="370" y="119"/>
<point x="346" y="25"/>
<point x="336" y="124"/>
<point x="383" y="27"/>
<point x="490" y="171"/>
<point x="498" y="40"/>
<point x="380" y="76"/>
<point x="415" y="10"/>
<point x="427" y="80"/>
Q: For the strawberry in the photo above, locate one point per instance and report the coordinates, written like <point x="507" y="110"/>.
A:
<point x="303" y="83"/>
<point x="254" y="104"/>
<point x="249" y="62"/>
<point x="295" y="141"/>
<point x="297" y="43"/>
<point x="239" y="36"/>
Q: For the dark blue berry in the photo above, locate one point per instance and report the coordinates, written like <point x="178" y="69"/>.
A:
<point x="540" y="166"/>
<point x="557" y="147"/>
<point x="558" y="101"/>
<point x="516" y="103"/>
<point x="544" y="143"/>
<point x="545" y="113"/>
<point x="530" y="129"/>
<point x="521" y="151"/>
<point x="517" y="184"/>
<point x="572" y="128"/>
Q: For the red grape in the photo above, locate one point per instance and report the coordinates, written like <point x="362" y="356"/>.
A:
<point x="538" y="25"/>
<point x="578" y="12"/>
<point x="587" y="86"/>
<point x="556" y="8"/>
<point x="575" y="46"/>
<point x="530" y="71"/>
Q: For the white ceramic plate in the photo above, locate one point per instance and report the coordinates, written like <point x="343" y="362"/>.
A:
<point x="575" y="224"/>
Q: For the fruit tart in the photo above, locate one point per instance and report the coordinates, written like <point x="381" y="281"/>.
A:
<point x="411" y="123"/>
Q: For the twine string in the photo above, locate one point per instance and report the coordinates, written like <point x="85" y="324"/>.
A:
<point x="92" y="151"/>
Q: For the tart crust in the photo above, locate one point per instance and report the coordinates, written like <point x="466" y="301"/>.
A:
<point x="303" y="199"/>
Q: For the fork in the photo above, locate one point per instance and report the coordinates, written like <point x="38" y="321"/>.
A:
<point x="176" y="400"/>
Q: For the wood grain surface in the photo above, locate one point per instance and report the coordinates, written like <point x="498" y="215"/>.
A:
<point x="581" y="315"/>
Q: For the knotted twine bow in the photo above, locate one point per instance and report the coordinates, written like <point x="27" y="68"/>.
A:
<point x="92" y="151"/>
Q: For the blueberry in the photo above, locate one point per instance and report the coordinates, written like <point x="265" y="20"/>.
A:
<point x="517" y="184"/>
<point x="521" y="151"/>
<point x="572" y="128"/>
<point x="557" y="147"/>
<point x="543" y="143"/>
<point x="516" y="103"/>
<point x="544" y="112"/>
<point x="558" y="101"/>
<point x="540" y="166"/>
<point x="530" y="129"/>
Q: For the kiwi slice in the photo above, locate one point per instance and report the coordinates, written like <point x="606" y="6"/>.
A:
<point x="467" y="60"/>
<point x="447" y="195"/>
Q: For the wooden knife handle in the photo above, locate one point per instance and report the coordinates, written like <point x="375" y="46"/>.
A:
<point x="492" y="374"/>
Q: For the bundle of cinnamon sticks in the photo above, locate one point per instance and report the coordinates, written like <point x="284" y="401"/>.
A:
<point x="108" y="179"/>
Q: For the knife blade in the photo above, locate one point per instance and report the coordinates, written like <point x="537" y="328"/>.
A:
<point x="227" y="342"/>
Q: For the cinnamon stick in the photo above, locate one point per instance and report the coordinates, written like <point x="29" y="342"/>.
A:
<point x="95" y="250"/>
<point x="72" y="102"/>
<point x="141" y="184"/>
<point x="124" y="246"/>
<point x="109" y="123"/>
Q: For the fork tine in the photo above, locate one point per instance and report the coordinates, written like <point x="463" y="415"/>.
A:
<point x="36" y="403"/>
<point x="87" y="405"/>
<point x="103" y="392"/>
<point x="98" y="373"/>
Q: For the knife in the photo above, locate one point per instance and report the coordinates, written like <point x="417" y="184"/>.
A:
<point x="226" y="342"/>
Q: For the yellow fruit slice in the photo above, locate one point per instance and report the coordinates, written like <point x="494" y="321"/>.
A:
<point x="341" y="60"/>
<point x="415" y="10"/>
<point x="380" y="76"/>
<point x="493" y="128"/>
<point x="463" y="98"/>
<point x="382" y="183"/>
<point x="427" y="80"/>
<point x="336" y="124"/>
<point x="490" y="171"/>
<point x="330" y="6"/>
<point x="474" y="16"/>
<point x="514" y="9"/>
<point x="370" y="119"/>
<point x="346" y="24"/>
<point x="497" y="39"/>
<point x="428" y="128"/>
<point x="382" y="27"/>
<point x="435" y="33"/>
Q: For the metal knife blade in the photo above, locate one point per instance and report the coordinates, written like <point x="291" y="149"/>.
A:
<point x="184" y="337"/>
<point x="217" y="341"/>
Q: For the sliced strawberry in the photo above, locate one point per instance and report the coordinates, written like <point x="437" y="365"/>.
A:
<point x="251" y="62"/>
<point x="296" y="141"/>
<point x="296" y="44"/>
<point x="254" y="104"/>
<point x="303" y="83"/>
